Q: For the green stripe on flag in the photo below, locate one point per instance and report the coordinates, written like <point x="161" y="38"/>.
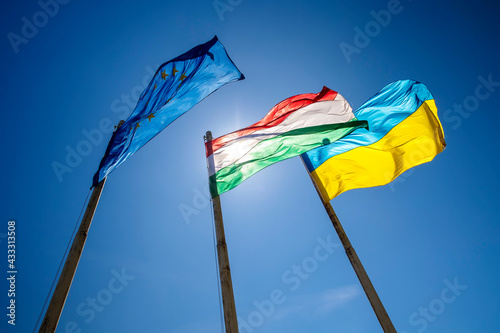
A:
<point x="279" y="148"/>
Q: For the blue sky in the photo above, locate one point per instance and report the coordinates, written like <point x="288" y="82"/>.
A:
<point x="429" y="241"/>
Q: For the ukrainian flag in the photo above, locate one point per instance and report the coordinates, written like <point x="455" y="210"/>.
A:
<point x="404" y="131"/>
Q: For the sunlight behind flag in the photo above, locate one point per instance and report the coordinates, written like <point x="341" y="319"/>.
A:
<point x="292" y="127"/>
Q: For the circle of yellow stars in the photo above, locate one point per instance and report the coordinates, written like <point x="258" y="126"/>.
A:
<point x="164" y="76"/>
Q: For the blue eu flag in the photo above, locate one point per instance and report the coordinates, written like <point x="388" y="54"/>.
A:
<point x="177" y="86"/>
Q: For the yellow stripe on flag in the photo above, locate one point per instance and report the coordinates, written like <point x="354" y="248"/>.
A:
<point x="414" y="141"/>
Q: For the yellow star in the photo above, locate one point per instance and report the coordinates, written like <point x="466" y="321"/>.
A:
<point x="183" y="77"/>
<point x="154" y="87"/>
<point x="174" y="71"/>
<point x="152" y="115"/>
<point x="138" y="125"/>
<point x="164" y="75"/>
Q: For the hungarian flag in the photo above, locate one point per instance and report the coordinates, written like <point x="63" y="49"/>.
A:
<point x="292" y="127"/>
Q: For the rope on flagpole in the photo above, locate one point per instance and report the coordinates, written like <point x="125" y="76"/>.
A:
<point x="219" y="293"/>
<point x="226" y="284"/>
<point x="51" y="290"/>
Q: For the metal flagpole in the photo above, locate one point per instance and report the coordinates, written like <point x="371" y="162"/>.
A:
<point x="56" y="305"/>
<point x="367" y="285"/>
<point x="226" y="283"/>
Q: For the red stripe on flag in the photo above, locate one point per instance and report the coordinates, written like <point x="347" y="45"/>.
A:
<point x="276" y="116"/>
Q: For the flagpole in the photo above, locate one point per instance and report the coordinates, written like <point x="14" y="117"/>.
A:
<point x="56" y="305"/>
<point x="230" y="318"/>
<point x="367" y="285"/>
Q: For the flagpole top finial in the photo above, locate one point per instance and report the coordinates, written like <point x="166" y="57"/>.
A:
<point x="119" y="124"/>
<point x="208" y="136"/>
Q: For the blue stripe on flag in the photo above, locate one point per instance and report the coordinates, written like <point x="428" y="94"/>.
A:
<point x="386" y="109"/>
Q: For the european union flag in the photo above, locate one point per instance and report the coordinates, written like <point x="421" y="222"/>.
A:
<point x="177" y="86"/>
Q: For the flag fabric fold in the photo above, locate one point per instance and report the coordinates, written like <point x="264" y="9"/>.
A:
<point x="177" y="86"/>
<point x="292" y="127"/>
<point x="405" y="131"/>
